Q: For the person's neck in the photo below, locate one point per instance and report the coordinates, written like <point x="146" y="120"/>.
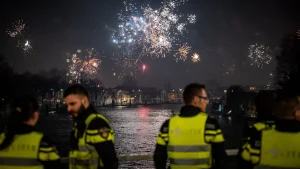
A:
<point x="191" y="105"/>
<point x="195" y="107"/>
<point x="30" y="123"/>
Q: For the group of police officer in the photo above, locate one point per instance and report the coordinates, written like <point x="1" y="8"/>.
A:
<point x="190" y="140"/>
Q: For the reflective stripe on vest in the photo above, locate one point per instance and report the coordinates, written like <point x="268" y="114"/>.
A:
<point x="269" y="167"/>
<point x="10" y="161"/>
<point x="86" y="148"/>
<point x="93" y="161"/>
<point x="278" y="149"/>
<point x="22" y="153"/>
<point x="187" y="146"/>
<point x="196" y="161"/>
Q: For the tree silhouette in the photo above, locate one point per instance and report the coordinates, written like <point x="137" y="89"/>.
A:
<point x="288" y="63"/>
<point x="6" y="73"/>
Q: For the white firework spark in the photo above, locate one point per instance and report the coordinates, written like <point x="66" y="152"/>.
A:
<point x="27" y="47"/>
<point x="192" y="18"/>
<point x="195" y="58"/>
<point x="259" y="55"/>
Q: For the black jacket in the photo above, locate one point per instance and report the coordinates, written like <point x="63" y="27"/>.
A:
<point x="106" y="150"/>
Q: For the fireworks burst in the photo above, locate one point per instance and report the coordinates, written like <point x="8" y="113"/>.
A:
<point x="182" y="53"/>
<point x="83" y="65"/>
<point x="18" y="32"/>
<point x="27" y="47"/>
<point x="260" y="55"/>
<point x="195" y="58"/>
<point x="17" y="28"/>
<point x="145" y="31"/>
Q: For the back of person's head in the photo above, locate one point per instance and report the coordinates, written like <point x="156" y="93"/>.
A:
<point x="287" y="104"/>
<point x="23" y="109"/>
<point x="76" y="90"/>
<point x="191" y="91"/>
<point x="265" y="105"/>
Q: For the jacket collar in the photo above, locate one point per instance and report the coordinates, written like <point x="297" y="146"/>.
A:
<point x="24" y="128"/>
<point x="189" y="111"/>
<point x="85" y="114"/>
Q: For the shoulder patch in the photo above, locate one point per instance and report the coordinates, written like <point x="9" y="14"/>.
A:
<point x="55" y="150"/>
<point x="104" y="132"/>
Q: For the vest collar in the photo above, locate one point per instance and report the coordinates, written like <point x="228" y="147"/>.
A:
<point x="24" y="128"/>
<point x="189" y="111"/>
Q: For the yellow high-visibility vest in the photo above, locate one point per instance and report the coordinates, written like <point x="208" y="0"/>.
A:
<point x="279" y="150"/>
<point x="86" y="157"/>
<point x="187" y="148"/>
<point x="22" y="153"/>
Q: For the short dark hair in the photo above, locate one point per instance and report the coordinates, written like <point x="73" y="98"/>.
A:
<point x="191" y="91"/>
<point x="76" y="89"/>
<point x="22" y="109"/>
<point x="287" y="102"/>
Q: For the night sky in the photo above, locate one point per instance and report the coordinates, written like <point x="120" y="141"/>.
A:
<point x="223" y="32"/>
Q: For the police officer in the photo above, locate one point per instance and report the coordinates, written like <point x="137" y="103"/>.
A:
<point x="192" y="139"/>
<point x="92" y="136"/>
<point x="264" y="106"/>
<point x="21" y="146"/>
<point x="276" y="147"/>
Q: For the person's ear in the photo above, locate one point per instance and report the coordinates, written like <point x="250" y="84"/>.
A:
<point x="35" y="116"/>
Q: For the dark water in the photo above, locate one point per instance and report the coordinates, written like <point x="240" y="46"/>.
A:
<point x="135" y="129"/>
